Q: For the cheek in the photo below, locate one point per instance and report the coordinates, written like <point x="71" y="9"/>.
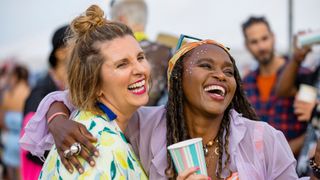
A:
<point x="233" y="88"/>
<point x="254" y="49"/>
<point x="114" y="78"/>
<point x="188" y="70"/>
<point x="147" y="67"/>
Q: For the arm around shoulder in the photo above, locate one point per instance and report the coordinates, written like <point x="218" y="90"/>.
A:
<point x="37" y="138"/>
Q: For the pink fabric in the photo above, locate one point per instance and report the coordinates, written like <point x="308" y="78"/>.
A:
<point x="29" y="170"/>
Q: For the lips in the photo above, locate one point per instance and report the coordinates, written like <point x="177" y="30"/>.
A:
<point x="138" y="87"/>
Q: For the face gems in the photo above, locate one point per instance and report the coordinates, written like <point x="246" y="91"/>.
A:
<point x="189" y="67"/>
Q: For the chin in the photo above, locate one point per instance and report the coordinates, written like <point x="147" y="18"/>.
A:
<point x="141" y="102"/>
<point x="215" y="111"/>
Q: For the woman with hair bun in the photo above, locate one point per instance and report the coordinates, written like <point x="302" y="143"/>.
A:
<point x="108" y="80"/>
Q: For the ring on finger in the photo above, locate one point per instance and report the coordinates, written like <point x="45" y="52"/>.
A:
<point x="67" y="153"/>
<point x="75" y="148"/>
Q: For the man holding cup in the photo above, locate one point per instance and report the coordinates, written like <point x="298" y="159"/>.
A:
<point x="306" y="106"/>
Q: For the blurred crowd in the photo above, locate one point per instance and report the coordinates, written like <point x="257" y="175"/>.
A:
<point x="272" y="88"/>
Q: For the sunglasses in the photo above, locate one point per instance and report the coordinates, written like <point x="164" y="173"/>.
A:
<point x="183" y="37"/>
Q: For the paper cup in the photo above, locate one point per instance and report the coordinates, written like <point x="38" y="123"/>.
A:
<point x="307" y="93"/>
<point x="309" y="38"/>
<point x="188" y="154"/>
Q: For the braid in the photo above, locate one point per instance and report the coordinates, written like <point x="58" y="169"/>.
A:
<point x="240" y="102"/>
<point x="220" y="144"/>
<point x="178" y="131"/>
<point x="226" y="140"/>
<point x="223" y="143"/>
<point x="176" y="127"/>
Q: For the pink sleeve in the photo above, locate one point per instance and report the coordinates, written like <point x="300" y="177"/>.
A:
<point x="36" y="138"/>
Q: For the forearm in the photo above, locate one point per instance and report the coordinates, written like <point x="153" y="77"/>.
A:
<point x="37" y="138"/>
<point x="286" y="84"/>
<point x="296" y="144"/>
<point x="57" y="107"/>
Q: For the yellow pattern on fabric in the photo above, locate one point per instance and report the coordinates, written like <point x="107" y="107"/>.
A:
<point x="116" y="160"/>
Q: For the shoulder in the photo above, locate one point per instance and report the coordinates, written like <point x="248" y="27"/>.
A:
<point x="151" y="110"/>
<point x="267" y="148"/>
<point x="259" y="127"/>
<point x="95" y="123"/>
<point x="250" y="76"/>
<point x="150" y="114"/>
<point x="253" y="129"/>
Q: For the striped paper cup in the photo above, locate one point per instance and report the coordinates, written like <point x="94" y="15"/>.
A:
<point x="188" y="154"/>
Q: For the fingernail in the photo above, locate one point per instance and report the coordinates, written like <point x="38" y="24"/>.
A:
<point x="70" y="171"/>
<point x="80" y="170"/>
<point x="209" y="178"/>
<point x="92" y="163"/>
<point x="196" y="168"/>
<point x="96" y="153"/>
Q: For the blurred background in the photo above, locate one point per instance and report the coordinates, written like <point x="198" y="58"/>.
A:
<point x="27" y="26"/>
<point x="27" y="39"/>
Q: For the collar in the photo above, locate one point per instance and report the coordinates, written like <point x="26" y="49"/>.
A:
<point x="237" y="129"/>
<point x="111" y="115"/>
<point x="140" y="36"/>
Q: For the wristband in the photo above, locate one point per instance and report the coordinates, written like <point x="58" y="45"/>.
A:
<point x="315" y="167"/>
<point x="56" y="114"/>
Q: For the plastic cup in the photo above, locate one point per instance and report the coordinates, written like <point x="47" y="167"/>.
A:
<point x="307" y="93"/>
<point x="309" y="38"/>
<point x="188" y="154"/>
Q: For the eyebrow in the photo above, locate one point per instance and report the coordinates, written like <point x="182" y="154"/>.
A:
<point x="126" y="59"/>
<point x="211" y="60"/>
<point x="140" y="53"/>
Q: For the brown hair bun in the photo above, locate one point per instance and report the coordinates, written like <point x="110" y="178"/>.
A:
<point x="94" y="16"/>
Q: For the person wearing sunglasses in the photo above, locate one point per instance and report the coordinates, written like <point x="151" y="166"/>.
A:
<point x="206" y="100"/>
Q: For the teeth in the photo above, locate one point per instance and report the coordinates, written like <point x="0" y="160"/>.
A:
<point x="138" y="90"/>
<point x="137" y="85"/>
<point x="215" y="87"/>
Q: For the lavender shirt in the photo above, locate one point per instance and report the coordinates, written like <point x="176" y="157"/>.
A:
<point x="258" y="151"/>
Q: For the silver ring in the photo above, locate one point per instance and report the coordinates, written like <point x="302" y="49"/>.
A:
<point x="75" y="148"/>
<point x="67" y="153"/>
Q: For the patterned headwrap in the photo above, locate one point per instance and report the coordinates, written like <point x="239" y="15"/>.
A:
<point x="186" y="48"/>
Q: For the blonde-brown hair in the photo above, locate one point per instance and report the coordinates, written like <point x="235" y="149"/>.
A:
<point x="86" y="59"/>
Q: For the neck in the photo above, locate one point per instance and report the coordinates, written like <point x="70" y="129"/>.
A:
<point x="272" y="67"/>
<point x="200" y="125"/>
<point x="123" y="114"/>
<point x="58" y="74"/>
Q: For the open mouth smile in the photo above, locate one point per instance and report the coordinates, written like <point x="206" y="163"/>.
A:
<point x="216" y="91"/>
<point x="138" y="87"/>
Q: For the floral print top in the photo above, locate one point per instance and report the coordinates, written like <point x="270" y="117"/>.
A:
<point x="116" y="161"/>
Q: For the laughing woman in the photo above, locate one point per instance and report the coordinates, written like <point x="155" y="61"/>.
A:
<point x="205" y="100"/>
<point x="107" y="78"/>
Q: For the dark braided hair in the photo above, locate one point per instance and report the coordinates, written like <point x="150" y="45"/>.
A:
<point x="177" y="129"/>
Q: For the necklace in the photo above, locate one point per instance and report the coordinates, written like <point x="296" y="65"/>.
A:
<point x="209" y="145"/>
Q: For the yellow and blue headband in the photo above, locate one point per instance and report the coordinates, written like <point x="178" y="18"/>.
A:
<point x="186" y="48"/>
